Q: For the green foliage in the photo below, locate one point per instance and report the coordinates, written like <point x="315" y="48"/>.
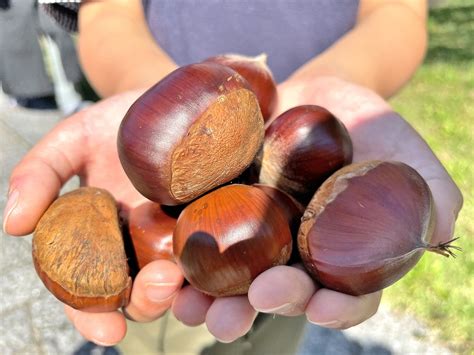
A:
<point x="439" y="103"/>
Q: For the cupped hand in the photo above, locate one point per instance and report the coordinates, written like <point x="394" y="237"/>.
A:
<point x="85" y="145"/>
<point x="377" y="132"/>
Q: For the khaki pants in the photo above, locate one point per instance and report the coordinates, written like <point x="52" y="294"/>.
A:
<point x="269" y="335"/>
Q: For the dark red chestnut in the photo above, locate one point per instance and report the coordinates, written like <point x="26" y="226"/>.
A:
<point x="257" y="74"/>
<point x="367" y="226"/>
<point x="151" y="229"/>
<point x="303" y="147"/>
<point x="196" y="129"/>
<point x="79" y="254"/>
<point x="225" y="239"/>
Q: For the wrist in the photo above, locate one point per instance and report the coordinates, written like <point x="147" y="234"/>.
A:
<point x="321" y="66"/>
<point x="306" y="90"/>
<point x="143" y="77"/>
<point x="303" y="85"/>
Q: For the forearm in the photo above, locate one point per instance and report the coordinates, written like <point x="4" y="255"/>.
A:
<point x="116" y="48"/>
<point x="382" y="52"/>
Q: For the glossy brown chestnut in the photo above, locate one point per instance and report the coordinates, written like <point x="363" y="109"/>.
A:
<point x="151" y="229"/>
<point x="257" y="73"/>
<point x="367" y="226"/>
<point x="293" y="209"/>
<point x="225" y="239"/>
<point x="302" y="147"/>
<point x="186" y="135"/>
<point x="78" y="251"/>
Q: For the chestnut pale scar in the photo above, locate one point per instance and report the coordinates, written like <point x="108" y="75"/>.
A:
<point x="78" y="245"/>
<point x="221" y="142"/>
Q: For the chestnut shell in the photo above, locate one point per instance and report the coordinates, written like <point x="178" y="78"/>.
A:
<point x="293" y="209"/>
<point x="184" y="136"/>
<point x="79" y="254"/>
<point x="151" y="229"/>
<point x="225" y="239"/>
<point x="257" y="74"/>
<point x="366" y="226"/>
<point x="302" y="148"/>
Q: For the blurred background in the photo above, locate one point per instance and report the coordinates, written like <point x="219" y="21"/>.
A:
<point x="431" y="310"/>
<point x="439" y="103"/>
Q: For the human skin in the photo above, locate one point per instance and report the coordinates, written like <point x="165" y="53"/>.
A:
<point x="85" y="144"/>
<point x="382" y="51"/>
<point x="121" y="59"/>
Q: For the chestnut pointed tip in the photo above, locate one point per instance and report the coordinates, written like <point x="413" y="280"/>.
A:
<point x="445" y="248"/>
<point x="262" y="57"/>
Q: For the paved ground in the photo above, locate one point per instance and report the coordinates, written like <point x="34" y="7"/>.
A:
<point x="32" y="321"/>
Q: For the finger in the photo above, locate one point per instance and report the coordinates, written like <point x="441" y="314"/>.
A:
<point x="153" y="290"/>
<point x="190" y="306"/>
<point x="448" y="202"/>
<point x="37" y="179"/>
<point x="332" y="309"/>
<point x="229" y="318"/>
<point x="104" y="329"/>
<point x="283" y="290"/>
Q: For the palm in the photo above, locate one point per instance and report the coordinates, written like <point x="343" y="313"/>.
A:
<point x="378" y="132"/>
<point x="85" y="144"/>
<point x="98" y="133"/>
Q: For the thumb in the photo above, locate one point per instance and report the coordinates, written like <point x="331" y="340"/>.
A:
<point x="36" y="180"/>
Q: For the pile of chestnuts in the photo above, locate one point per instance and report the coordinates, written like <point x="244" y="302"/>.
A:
<point x="229" y="199"/>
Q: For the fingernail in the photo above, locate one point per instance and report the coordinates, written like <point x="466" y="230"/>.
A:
<point x="10" y="206"/>
<point x="451" y="227"/>
<point x="330" y="324"/>
<point x="102" y="343"/>
<point x="283" y="309"/>
<point x="159" y="292"/>
<point x="223" y="341"/>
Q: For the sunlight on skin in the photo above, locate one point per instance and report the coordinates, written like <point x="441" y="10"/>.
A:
<point x="85" y="144"/>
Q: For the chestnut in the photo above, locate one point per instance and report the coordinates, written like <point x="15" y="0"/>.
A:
<point x="151" y="229"/>
<point x="303" y="147"/>
<point x="225" y="239"/>
<point x="367" y="226"/>
<point x="257" y="73"/>
<point x="293" y="209"/>
<point x="185" y="135"/>
<point x="79" y="254"/>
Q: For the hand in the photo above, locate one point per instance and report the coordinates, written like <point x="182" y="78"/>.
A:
<point x="377" y="133"/>
<point x="85" y="145"/>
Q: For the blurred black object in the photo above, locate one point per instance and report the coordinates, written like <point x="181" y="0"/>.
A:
<point x="38" y="103"/>
<point x="65" y="14"/>
<point x="24" y="73"/>
<point x="4" y="4"/>
<point x="90" y="348"/>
